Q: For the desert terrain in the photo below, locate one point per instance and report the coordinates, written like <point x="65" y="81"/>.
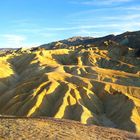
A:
<point x="94" y="81"/>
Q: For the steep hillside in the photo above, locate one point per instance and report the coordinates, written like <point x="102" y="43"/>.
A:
<point x="93" y="84"/>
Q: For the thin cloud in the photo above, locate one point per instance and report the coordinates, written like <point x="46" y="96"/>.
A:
<point x="101" y="2"/>
<point x="12" y="40"/>
<point x="88" y="32"/>
<point x="122" y="18"/>
<point x="46" y="30"/>
<point x="79" y="27"/>
<point x="105" y="9"/>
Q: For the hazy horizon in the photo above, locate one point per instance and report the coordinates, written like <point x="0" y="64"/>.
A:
<point x="35" y="22"/>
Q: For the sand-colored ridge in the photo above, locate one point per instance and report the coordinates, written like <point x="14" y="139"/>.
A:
<point x="98" y="85"/>
<point x="51" y="129"/>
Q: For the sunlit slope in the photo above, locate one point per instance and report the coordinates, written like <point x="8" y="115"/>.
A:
<point x="94" y="85"/>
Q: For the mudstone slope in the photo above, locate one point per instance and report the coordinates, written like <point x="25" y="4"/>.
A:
<point x="94" y="83"/>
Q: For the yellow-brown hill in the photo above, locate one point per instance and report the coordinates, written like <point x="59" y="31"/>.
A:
<point x="87" y="83"/>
